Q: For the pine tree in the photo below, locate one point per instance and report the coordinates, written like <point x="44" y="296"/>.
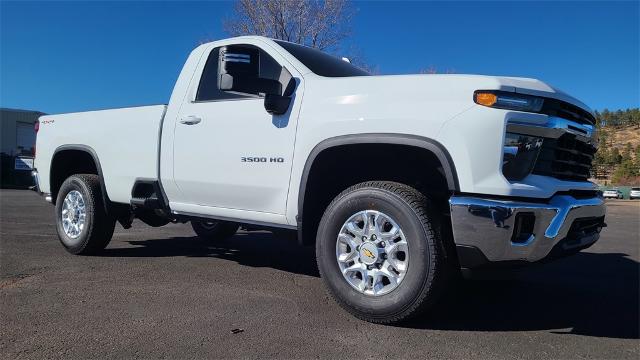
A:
<point x="614" y="157"/>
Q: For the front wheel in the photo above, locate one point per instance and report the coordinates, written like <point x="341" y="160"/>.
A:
<point x="380" y="253"/>
<point x="83" y="225"/>
<point x="214" y="230"/>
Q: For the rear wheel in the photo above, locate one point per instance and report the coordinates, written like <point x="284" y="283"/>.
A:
<point x="214" y="230"/>
<point x="83" y="225"/>
<point x="380" y="253"/>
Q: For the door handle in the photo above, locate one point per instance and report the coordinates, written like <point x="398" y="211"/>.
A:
<point x="190" y="120"/>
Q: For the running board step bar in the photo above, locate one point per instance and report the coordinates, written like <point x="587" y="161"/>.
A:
<point x="147" y="194"/>
<point x="147" y="203"/>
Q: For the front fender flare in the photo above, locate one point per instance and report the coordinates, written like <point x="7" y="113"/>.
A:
<point x="380" y="138"/>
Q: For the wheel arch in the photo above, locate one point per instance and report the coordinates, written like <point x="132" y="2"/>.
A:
<point x="58" y="174"/>
<point x="407" y="141"/>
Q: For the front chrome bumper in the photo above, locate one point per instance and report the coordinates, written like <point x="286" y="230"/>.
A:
<point x="485" y="228"/>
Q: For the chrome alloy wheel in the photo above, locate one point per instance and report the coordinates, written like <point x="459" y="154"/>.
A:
<point x="372" y="252"/>
<point x="73" y="214"/>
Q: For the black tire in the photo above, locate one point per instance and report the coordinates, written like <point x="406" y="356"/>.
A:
<point x="214" y="230"/>
<point x="425" y="274"/>
<point x="98" y="226"/>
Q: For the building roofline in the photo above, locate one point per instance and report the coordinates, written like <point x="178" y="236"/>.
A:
<point x="22" y="110"/>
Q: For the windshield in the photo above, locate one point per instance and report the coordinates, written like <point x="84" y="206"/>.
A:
<point x="320" y="62"/>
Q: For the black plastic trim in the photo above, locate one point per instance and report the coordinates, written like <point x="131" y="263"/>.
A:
<point x="264" y="224"/>
<point x="79" y="147"/>
<point x="155" y="183"/>
<point x="378" y="138"/>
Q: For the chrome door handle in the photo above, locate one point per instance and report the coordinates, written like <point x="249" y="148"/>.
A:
<point x="190" y="120"/>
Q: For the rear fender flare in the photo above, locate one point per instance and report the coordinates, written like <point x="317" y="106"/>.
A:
<point x="94" y="155"/>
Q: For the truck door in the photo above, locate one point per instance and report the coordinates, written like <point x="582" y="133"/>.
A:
<point x="228" y="151"/>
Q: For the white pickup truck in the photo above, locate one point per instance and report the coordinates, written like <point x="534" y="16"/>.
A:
<point x="399" y="181"/>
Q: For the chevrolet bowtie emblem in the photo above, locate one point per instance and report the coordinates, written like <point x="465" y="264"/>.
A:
<point x="368" y="253"/>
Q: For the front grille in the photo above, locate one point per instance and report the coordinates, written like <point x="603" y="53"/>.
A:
<point x="562" y="109"/>
<point x="565" y="158"/>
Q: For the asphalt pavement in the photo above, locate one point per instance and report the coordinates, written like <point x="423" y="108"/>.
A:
<point x="163" y="293"/>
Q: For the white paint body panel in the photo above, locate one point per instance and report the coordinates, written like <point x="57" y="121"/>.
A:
<point x="206" y="163"/>
<point x="438" y="107"/>
<point x="125" y="141"/>
<point x="200" y="165"/>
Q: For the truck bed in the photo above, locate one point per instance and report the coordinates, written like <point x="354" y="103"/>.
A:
<point x="125" y="142"/>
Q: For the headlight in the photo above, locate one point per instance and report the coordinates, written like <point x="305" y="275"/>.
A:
<point x="508" y="100"/>
<point x="519" y="155"/>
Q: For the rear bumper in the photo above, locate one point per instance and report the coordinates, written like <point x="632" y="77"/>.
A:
<point x="36" y="181"/>
<point x="494" y="231"/>
<point x="36" y="187"/>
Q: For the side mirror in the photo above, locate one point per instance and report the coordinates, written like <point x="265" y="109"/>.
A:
<point x="239" y="71"/>
<point x="276" y="104"/>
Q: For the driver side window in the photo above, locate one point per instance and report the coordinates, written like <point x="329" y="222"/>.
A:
<point x="208" y="88"/>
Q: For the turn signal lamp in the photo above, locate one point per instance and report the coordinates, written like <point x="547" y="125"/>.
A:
<point x="486" y="99"/>
<point x="508" y="100"/>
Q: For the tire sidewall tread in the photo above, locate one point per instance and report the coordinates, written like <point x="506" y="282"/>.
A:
<point x="412" y="210"/>
<point x="99" y="226"/>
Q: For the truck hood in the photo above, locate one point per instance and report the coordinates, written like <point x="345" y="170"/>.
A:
<point x="445" y="85"/>
<point x="537" y="87"/>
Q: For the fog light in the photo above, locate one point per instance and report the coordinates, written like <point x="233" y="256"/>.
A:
<point x="519" y="155"/>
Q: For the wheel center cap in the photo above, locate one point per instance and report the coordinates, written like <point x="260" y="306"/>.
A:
<point x="368" y="253"/>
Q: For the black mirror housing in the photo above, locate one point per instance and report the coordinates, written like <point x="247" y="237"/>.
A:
<point x="276" y="104"/>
